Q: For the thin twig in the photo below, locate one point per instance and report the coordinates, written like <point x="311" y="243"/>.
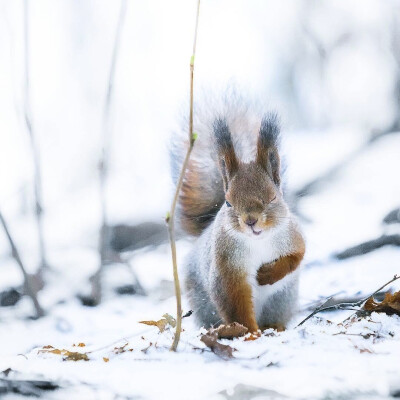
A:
<point x="115" y="342"/>
<point x="170" y="219"/>
<point x="15" y="253"/>
<point x="103" y="165"/>
<point x="35" y="151"/>
<point x="356" y="306"/>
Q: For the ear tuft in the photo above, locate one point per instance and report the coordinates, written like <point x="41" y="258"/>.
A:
<point x="269" y="130"/>
<point x="226" y="153"/>
<point x="222" y="134"/>
<point x="267" y="146"/>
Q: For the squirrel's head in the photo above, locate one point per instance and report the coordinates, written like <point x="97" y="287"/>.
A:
<point x="252" y="190"/>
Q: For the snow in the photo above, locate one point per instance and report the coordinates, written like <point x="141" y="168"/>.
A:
<point x="324" y="358"/>
<point x="329" y="106"/>
<point x="314" y="360"/>
<point x="321" y="359"/>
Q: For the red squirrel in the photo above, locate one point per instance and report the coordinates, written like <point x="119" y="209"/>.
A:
<point x="244" y="264"/>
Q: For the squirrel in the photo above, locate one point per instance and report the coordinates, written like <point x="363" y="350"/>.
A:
<point x="244" y="264"/>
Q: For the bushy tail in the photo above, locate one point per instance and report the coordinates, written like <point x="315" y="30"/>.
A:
<point x="202" y="193"/>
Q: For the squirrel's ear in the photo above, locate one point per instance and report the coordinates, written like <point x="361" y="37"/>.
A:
<point x="227" y="159"/>
<point x="267" y="147"/>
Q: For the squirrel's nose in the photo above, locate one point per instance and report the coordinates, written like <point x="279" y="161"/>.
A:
<point x="251" y="221"/>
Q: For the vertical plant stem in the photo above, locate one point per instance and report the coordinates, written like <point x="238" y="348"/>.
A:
<point x="103" y="165"/>
<point x="34" y="146"/>
<point x="27" y="283"/>
<point x="171" y="215"/>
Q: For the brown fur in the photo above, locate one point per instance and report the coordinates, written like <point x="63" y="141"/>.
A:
<point x="235" y="302"/>
<point x="269" y="159"/>
<point x="194" y="201"/>
<point x="275" y="327"/>
<point x="270" y="273"/>
<point x="229" y="165"/>
<point x="254" y="196"/>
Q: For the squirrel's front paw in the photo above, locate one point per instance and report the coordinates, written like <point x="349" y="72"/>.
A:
<point x="275" y="327"/>
<point x="268" y="274"/>
<point x="272" y="272"/>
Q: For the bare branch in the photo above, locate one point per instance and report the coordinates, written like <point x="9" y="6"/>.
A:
<point x="103" y="165"/>
<point x="170" y="219"/>
<point x="27" y="283"/>
<point x="34" y="146"/>
<point x="356" y="306"/>
<point x="368" y="246"/>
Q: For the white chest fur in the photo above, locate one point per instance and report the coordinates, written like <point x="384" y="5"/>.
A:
<point x="268" y="247"/>
<point x="273" y="244"/>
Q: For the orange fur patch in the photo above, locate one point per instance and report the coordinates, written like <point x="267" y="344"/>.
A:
<point x="235" y="303"/>
<point x="198" y="204"/>
<point x="270" y="273"/>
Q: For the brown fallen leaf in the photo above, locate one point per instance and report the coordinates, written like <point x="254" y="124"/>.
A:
<point x="52" y="350"/>
<point x="231" y="331"/>
<point x="210" y="339"/>
<point x="69" y="355"/>
<point x="121" y="349"/>
<point x="389" y="305"/>
<point x="106" y="359"/>
<point x="170" y="319"/>
<point x="162" y="323"/>
<point x="363" y="350"/>
<point x="75" y="356"/>
<point x="252" y="336"/>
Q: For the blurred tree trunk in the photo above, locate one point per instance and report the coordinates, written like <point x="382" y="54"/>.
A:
<point x="29" y="280"/>
<point x="34" y="147"/>
<point x="103" y="165"/>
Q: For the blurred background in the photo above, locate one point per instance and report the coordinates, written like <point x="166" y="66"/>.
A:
<point x="90" y="93"/>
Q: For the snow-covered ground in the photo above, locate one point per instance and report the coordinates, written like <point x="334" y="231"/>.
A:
<point x="323" y="359"/>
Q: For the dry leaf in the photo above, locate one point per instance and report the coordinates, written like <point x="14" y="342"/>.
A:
<point x="363" y="350"/>
<point x="75" y="356"/>
<point x="162" y="323"/>
<point x="105" y="359"/>
<point x="170" y="319"/>
<point x="221" y="350"/>
<point x="390" y="304"/>
<point x="231" y="331"/>
<point x="121" y="349"/>
<point x="52" y="350"/>
<point x="69" y="355"/>
<point x="252" y="336"/>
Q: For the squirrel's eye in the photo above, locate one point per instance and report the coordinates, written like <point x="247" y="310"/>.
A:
<point x="228" y="204"/>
